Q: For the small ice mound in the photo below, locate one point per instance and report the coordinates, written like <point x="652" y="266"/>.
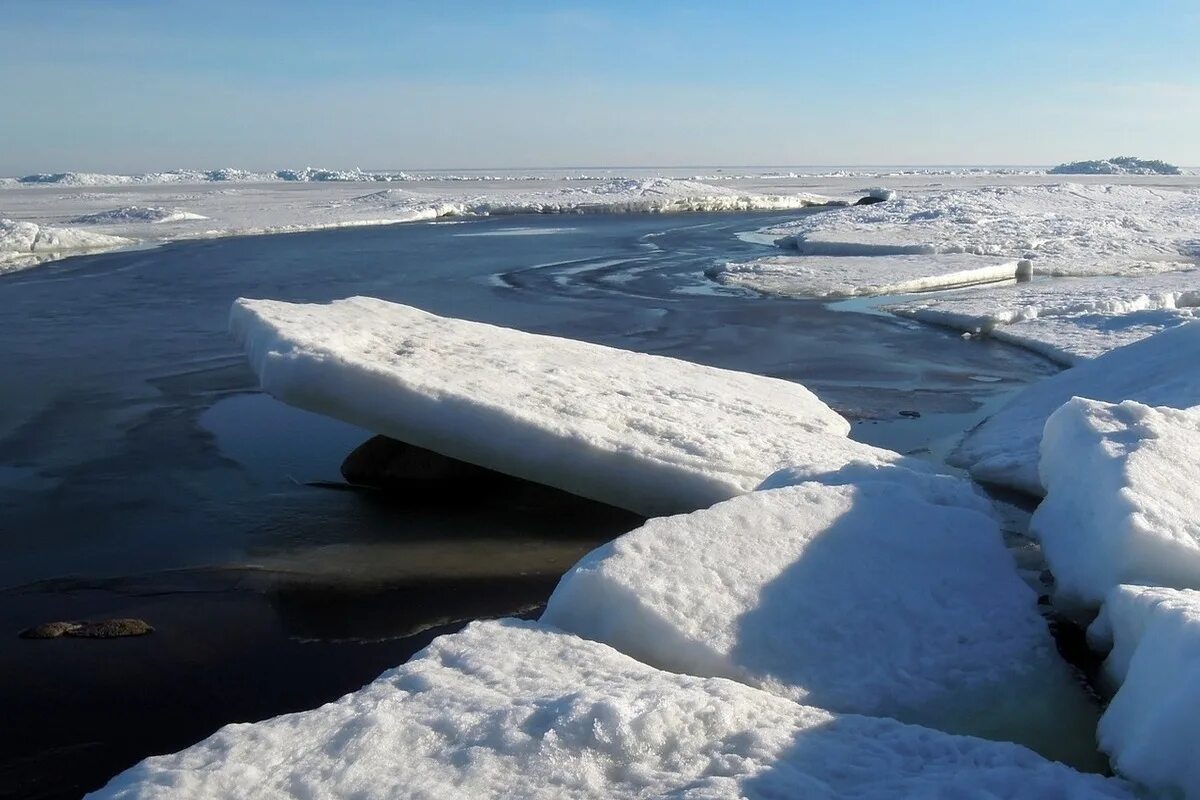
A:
<point x="1121" y="503"/>
<point x="25" y="243"/>
<point x="153" y="214"/>
<point x="1117" y="165"/>
<point x="648" y="433"/>
<point x="888" y="596"/>
<point x="854" y="276"/>
<point x="1150" y="728"/>
<point x="511" y="709"/>
<point x="1158" y="371"/>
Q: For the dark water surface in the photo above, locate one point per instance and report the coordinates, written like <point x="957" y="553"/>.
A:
<point x="141" y="474"/>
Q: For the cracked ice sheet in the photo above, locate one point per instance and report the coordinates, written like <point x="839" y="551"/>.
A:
<point x="513" y="709"/>
<point x="648" y="433"/>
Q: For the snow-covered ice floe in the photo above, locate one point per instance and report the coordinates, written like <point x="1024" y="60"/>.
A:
<point x="878" y="591"/>
<point x="652" y="434"/>
<point x="1069" y="319"/>
<point x="851" y="276"/>
<point x="1158" y="371"/>
<point x="23" y="244"/>
<point x="1121" y="497"/>
<point x="511" y="709"/>
<point x="189" y="205"/>
<point x="1064" y="229"/>
<point x="1151" y="726"/>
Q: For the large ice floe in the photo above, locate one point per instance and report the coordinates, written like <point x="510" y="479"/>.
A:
<point x="877" y="591"/>
<point x="1121" y="497"/>
<point x="652" y="434"/>
<point x="511" y="709"/>
<point x="24" y="244"/>
<point x="1067" y="319"/>
<point x="1150" y="728"/>
<point x="1157" y="371"/>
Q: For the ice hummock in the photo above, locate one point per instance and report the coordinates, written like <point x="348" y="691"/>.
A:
<point x="1117" y="165"/>
<point x="153" y="214"/>
<point x="511" y="709"/>
<point x="881" y="592"/>
<point x="1150" y="728"/>
<point x="1158" y="371"/>
<point x="1121" y="503"/>
<point x="25" y="243"/>
<point x="652" y="434"/>
<point x="1068" y="319"/>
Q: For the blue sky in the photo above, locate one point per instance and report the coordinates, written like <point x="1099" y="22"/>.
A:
<point x="131" y="85"/>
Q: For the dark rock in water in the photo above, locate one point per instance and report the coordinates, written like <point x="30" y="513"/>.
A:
<point x="390" y="464"/>
<point x="89" y="629"/>
<point x="910" y="414"/>
<point x="869" y="200"/>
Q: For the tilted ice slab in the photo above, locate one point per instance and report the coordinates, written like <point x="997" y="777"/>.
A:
<point x="1121" y="497"/>
<point x="1065" y="229"/>
<point x="1151" y="727"/>
<point x="26" y="243"/>
<point x="1067" y="319"/>
<point x="888" y="594"/>
<point x="510" y="709"/>
<point x="652" y="434"/>
<point x="824" y="276"/>
<point x="1158" y="371"/>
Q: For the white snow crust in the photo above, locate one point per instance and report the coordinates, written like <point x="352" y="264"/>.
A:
<point x="652" y="434"/>
<point x="880" y="591"/>
<point x="1121" y="498"/>
<point x="1150" y="728"/>
<point x="510" y="709"/>
<point x="1069" y="319"/>
<point x="1158" y="371"/>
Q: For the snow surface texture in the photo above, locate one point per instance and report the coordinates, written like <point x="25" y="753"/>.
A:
<point x="511" y="709"/>
<point x="850" y="276"/>
<point x="23" y="244"/>
<point x="1064" y="229"/>
<point x="1151" y="728"/>
<point x="887" y="593"/>
<point x="248" y="204"/>
<point x="1069" y="319"/>
<point x="1121" y="498"/>
<point x="1158" y="371"/>
<point x="652" y="434"/>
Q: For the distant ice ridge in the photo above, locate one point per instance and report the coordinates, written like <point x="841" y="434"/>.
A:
<point x="652" y="434"/>
<point x="1121" y="497"/>
<point x="873" y="590"/>
<point x="136" y="214"/>
<point x="516" y="710"/>
<point x="23" y="244"/>
<point x="1157" y="371"/>
<point x="1150" y="728"/>
<point x="1070" y="319"/>
<point x="1117" y="165"/>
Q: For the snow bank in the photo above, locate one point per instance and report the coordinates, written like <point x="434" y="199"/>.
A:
<point x="889" y="594"/>
<point x="1151" y="728"/>
<point x="649" y="433"/>
<point x="1067" y="319"/>
<point x="1158" y="371"/>
<point x="830" y="277"/>
<point x="1064" y="229"/>
<point x="25" y="243"/>
<point x="1121" y="503"/>
<point x="509" y="709"/>
<point x="154" y="214"/>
